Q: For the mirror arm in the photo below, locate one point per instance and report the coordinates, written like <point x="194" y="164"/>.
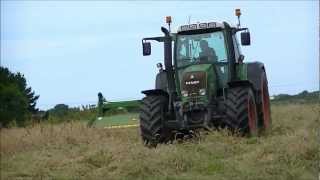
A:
<point x="241" y="29"/>
<point x="159" y="39"/>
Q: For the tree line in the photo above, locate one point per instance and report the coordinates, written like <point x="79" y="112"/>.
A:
<point x="302" y="97"/>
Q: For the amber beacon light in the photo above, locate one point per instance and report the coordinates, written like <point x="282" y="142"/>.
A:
<point x="168" y="19"/>
<point x="238" y="12"/>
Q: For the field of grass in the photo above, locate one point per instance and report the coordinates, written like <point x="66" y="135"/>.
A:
<point x="73" y="151"/>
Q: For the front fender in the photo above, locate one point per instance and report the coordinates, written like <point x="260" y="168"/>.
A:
<point x="245" y="83"/>
<point x="155" y="92"/>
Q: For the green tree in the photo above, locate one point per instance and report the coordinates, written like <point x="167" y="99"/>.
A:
<point x="27" y="91"/>
<point x="17" y="101"/>
<point x="60" y="110"/>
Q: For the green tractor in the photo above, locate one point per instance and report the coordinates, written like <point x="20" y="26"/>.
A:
<point x="205" y="85"/>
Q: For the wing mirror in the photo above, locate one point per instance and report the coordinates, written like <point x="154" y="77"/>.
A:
<point x="146" y="46"/>
<point x="245" y="38"/>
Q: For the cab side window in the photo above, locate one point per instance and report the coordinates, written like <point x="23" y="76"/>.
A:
<point x="236" y="47"/>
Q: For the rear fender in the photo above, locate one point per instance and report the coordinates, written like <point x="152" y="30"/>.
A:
<point x="255" y="71"/>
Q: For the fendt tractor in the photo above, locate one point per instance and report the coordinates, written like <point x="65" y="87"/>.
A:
<point x="205" y="85"/>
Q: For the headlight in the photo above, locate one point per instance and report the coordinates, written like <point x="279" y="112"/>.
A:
<point x="184" y="93"/>
<point x="202" y="92"/>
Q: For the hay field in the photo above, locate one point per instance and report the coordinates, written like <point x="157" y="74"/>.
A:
<point x="73" y="151"/>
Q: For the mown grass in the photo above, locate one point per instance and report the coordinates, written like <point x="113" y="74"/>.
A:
<point x="73" y="151"/>
<point x="119" y="119"/>
<point x="134" y="104"/>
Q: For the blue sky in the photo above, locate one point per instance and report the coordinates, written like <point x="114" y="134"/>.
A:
<point x="71" y="50"/>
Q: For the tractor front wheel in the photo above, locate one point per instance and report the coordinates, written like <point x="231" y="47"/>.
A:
<point x="152" y="115"/>
<point x="241" y="111"/>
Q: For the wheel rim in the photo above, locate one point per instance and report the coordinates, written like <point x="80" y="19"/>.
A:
<point x="265" y="106"/>
<point x="252" y="116"/>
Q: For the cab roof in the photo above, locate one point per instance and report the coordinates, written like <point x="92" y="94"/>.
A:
<point x="202" y="26"/>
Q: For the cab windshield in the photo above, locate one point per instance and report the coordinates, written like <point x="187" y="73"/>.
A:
<point x="200" y="48"/>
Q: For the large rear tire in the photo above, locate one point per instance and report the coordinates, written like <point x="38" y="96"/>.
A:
<point x="265" y="103"/>
<point x="152" y="115"/>
<point x="241" y="111"/>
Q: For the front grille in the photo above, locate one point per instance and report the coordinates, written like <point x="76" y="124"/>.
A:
<point x="192" y="82"/>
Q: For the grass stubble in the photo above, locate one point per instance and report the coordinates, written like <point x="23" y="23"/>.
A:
<point x="290" y="150"/>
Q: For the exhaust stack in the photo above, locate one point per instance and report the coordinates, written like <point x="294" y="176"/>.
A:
<point x="168" y="63"/>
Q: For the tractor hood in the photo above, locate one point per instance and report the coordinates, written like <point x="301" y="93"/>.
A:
<point x="197" y="67"/>
<point x="197" y="81"/>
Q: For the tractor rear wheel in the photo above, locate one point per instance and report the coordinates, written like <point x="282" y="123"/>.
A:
<point x="265" y="103"/>
<point x="152" y="115"/>
<point x="241" y="111"/>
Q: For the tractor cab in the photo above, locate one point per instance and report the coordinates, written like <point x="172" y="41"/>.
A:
<point x="210" y="51"/>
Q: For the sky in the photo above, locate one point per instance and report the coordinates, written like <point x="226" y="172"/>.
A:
<point x="71" y="50"/>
